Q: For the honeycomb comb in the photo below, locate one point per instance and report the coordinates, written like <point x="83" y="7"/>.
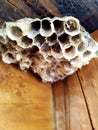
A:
<point x="51" y="47"/>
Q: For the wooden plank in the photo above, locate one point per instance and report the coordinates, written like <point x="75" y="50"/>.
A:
<point x="22" y="6"/>
<point x="70" y="108"/>
<point x="16" y="9"/>
<point x="25" y="117"/>
<point x="76" y="98"/>
<point x="11" y="10"/>
<point x="76" y="113"/>
<point x="59" y="105"/>
<point x="48" y="4"/>
<point x="88" y="76"/>
<point x="25" y="102"/>
<point x="95" y="35"/>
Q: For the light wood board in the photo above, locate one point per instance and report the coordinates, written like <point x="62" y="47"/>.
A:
<point x="25" y="102"/>
<point x="76" y="98"/>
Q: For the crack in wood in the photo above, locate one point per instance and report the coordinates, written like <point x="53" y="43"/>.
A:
<point x="86" y="103"/>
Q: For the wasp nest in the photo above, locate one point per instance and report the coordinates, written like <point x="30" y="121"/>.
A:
<point x="52" y="48"/>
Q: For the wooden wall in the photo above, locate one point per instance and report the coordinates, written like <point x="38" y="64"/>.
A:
<point x="85" y="10"/>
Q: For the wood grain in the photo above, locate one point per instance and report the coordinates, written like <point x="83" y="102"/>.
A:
<point x="70" y="105"/>
<point x="50" y="7"/>
<point x="25" y="102"/>
<point x="75" y="105"/>
<point x="11" y="10"/>
<point x="76" y="97"/>
<point x="28" y="104"/>
<point x="59" y="105"/>
<point x="89" y="81"/>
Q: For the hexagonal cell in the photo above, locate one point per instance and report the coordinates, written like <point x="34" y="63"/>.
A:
<point x="72" y="26"/>
<point x="58" y="25"/>
<point x="45" y="47"/>
<point x="34" y="49"/>
<point x="64" y="39"/>
<point x="46" y="28"/>
<point x="52" y="38"/>
<point x="35" y="25"/>
<point x="46" y="25"/>
<point x="39" y="39"/>
<point x="70" y="52"/>
<point x="87" y="54"/>
<point x="56" y="47"/>
<point x="8" y="58"/>
<point x="81" y="47"/>
<point x="31" y="51"/>
<point x="14" y="32"/>
<point x="76" y="38"/>
<point x="26" y="42"/>
<point x="28" y="52"/>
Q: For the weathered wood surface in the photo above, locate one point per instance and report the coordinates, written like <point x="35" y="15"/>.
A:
<point x="76" y="98"/>
<point x="25" y="102"/>
<point x="28" y="104"/>
<point x="85" y="10"/>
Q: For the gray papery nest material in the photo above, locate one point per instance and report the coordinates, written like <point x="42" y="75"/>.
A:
<point x="51" y="47"/>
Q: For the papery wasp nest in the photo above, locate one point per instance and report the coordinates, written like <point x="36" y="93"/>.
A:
<point x="51" y="47"/>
